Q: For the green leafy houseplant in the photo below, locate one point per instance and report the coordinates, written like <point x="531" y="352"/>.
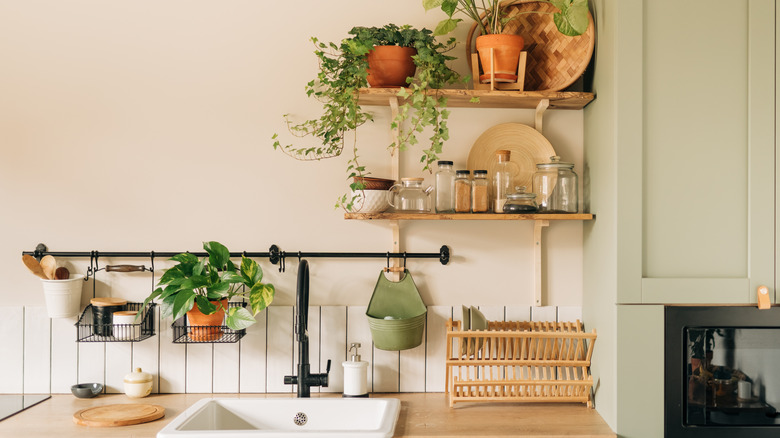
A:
<point x="343" y="71"/>
<point x="196" y="281"/>
<point x="490" y="16"/>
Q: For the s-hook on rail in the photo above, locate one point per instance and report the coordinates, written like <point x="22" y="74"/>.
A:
<point x="274" y="254"/>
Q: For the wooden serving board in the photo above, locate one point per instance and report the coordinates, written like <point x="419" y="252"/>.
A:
<point x="118" y="415"/>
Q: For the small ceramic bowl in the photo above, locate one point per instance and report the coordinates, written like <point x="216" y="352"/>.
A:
<point x="86" y="390"/>
<point x="375" y="201"/>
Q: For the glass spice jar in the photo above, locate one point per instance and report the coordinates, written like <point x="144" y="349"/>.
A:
<point x="555" y="184"/>
<point x="479" y="192"/>
<point x="462" y="191"/>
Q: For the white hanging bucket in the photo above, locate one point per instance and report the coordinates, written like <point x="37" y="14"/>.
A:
<point x="63" y="297"/>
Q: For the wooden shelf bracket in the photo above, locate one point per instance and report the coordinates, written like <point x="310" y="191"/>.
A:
<point x="539" y="225"/>
<point x="540" y="109"/>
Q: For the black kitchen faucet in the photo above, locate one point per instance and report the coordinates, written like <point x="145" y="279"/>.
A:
<point x="305" y="380"/>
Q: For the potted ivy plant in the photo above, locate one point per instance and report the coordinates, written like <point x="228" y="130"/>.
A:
<point x="345" y="68"/>
<point x="491" y="18"/>
<point x="201" y="289"/>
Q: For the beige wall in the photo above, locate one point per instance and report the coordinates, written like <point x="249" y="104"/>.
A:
<point x="146" y="125"/>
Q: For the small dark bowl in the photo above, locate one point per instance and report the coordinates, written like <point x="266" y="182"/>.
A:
<point x="86" y="390"/>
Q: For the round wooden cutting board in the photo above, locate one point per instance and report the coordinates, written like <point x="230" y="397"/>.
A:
<point x="118" y="415"/>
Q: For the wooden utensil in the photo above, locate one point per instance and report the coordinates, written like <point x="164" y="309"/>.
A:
<point x="34" y="266"/>
<point x="118" y="415"/>
<point x="49" y="265"/>
<point x="61" y="273"/>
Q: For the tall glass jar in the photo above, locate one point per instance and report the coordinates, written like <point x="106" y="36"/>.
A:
<point x="445" y="187"/>
<point x="556" y="186"/>
<point x="479" y="192"/>
<point x="502" y="180"/>
<point x="462" y="191"/>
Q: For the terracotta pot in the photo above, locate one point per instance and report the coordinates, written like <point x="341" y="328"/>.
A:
<point x="389" y="66"/>
<point x="206" y="327"/>
<point x="506" y="54"/>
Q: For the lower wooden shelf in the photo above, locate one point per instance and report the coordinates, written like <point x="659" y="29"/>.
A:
<point x="470" y="216"/>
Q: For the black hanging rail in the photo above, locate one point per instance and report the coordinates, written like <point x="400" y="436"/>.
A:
<point x="274" y="254"/>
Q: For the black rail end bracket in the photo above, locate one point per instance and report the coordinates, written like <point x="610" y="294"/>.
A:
<point x="444" y="254"/>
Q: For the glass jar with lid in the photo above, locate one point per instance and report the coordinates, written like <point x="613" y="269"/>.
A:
<point x="520" y="202"/>
<point x="410" y="196"/>
<point x="479" y="192"/>
<point x="556" y="186"/>
<point x="445" y="187"/>
<point x="462" y="191"/>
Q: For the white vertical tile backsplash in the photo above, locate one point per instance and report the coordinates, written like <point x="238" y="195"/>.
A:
<point x="226" y="362"/>
<point x="569" y="313"/>
<point x="146" y="354"/>
<point x="11" y="325"/>
<point x="252" y="358"/>
<point x="91" y="362"/>
<point x="173" y="361"/>
<point x="37" y="350"/>
<point x="119" y="359"/>
<point x="411" y="368"/>
<point x="64" y="355"/>
<point x="280" y="348"/>
<point x="436" y="346"/>
<point x="385" y="370"/>
<point x="518" y="313"/>
<point x="546" y="313"/>
<point x="200" y="368"/>
<point x="333" y="344"/>
<point x="42" y="354"/>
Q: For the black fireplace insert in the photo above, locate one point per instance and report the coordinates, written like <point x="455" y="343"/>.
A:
<point x="722" y="372"/>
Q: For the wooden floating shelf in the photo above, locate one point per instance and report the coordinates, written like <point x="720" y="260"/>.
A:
<point x="569" y="100"/>
<point x="470" y="216"/>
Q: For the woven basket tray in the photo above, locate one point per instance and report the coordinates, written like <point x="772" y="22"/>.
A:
<point x="555" y="60"/>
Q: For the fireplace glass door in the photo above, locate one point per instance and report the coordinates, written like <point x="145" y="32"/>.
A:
<point x="722" y="372"/>
<point x="733" y="377"/>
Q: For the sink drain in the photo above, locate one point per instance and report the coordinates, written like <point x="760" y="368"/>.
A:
<point x="300" y="419"/>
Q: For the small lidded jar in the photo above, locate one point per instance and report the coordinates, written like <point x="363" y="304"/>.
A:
<point x="138" y="384"/>
<point x="462" y="191"/>
<point x="555" y="184"/>
<point x="521" y="202"/>
<point x="479" y="192"/>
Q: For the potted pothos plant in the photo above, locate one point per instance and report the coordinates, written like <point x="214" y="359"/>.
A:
<point x="491" y="18"/>
<point x="345" y="69"/>
<point x="204" y="286"/>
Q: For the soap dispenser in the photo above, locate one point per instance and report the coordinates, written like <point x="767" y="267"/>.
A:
<point x="355" y="374"/>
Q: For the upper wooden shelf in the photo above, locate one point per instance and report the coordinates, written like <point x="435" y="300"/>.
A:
<point x="570" y="100"/>
<point x="470" y="216"/>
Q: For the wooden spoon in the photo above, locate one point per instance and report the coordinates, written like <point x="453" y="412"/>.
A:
<point x="34" y="266"/>
<point x="49" y="265"/>
<point x="62" y="273"/>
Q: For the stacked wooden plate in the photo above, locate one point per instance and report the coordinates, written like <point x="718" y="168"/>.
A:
<point x="527" y="146"/>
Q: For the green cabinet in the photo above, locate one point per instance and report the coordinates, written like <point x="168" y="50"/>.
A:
<point x="704" y="153"/>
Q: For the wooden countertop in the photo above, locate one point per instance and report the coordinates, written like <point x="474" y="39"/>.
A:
<point x="422" y="415"/>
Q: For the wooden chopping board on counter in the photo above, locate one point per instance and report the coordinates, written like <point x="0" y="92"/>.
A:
<point x="118" y="415"/>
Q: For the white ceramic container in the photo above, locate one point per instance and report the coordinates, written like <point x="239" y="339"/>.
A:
<point x="63" y="297"/>
<point x="125" y="327"/>
<point x="138" y="384"/>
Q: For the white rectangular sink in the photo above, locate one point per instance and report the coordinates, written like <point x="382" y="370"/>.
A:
<point x="286" y="418"/>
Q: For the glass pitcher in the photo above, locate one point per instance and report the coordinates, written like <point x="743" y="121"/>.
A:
<point x="410" y="196"/>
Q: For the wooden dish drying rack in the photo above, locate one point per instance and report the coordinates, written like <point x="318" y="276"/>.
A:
<point x="519" y="361"/>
